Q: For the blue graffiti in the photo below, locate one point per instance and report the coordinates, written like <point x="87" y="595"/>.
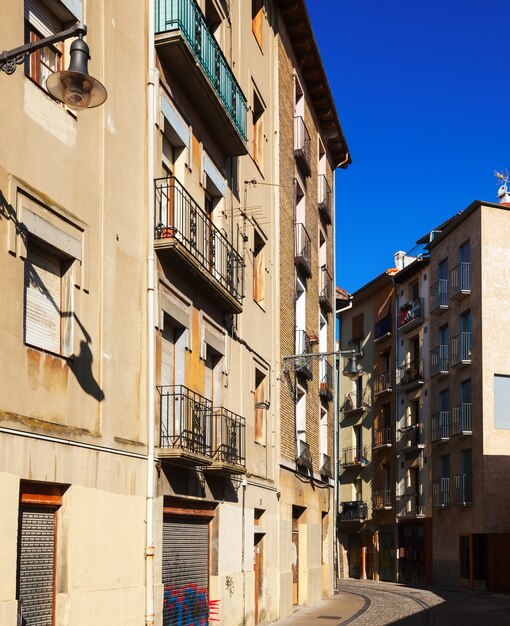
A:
<point x="185" y="606"/>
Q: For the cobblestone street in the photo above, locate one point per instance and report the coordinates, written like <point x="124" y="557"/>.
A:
<point x="368" y="603"/>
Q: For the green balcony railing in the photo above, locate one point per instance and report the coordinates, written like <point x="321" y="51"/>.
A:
<point x="186" y="16"/>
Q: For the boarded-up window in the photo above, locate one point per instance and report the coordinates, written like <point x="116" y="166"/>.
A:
<point x="257" y="14"/>
<point x="259" y="269"/>
<point x="260" y="410"/>
<point x="357" y="326"/>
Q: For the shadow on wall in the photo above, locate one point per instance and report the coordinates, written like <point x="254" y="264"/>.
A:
<point x="81" y="364"/>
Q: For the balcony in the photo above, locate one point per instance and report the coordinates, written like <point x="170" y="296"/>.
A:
<point x="356" y="456"/>
<point x="461" y="349"/>
<point x="190" y="51"/>
<point x="462" y="490"/>
<point x="228" y="443"/>
<point x="326" y="471"/>
<point x="381" y="500"/>
<point x="326" y="380"/>
<point x="441" y="492"/>
<point x="411" y="315"/>
<point x="303" y="456"/>
<point x="439" y="296"/>
<point x="326" y="290"/>
<point x="382" y="438"/>
<point x="382" y="328"/>
<point x="185" y="236"/>
<point x="303" y="365"/>
<point x="441" y="426"/>
<point x="410" y="505"/>
<point x="356" y="511"/>
<point x="439" y="360"/>
<point x="185" y="435"/>
<point x="410" y="375"/>
<point x="353" y="404"/>
<point x="302" y="146"/>
<point x="411" y="439"/>
<point x="382" y="384"/>
<point x="462" y="422"/>
<point x="303" y="253"/>
<point x="325" y="199"/>
<point x="460" y="280"/>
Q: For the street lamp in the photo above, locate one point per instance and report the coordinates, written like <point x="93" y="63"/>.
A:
<point x="74" y="87"/>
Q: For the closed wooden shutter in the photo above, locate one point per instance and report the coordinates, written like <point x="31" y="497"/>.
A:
<point x="43" y="286"/>
<point x="36" y="564"/>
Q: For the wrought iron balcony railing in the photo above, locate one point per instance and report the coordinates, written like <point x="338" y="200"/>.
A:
<point x="382" y="328"/>
<point x="462" y="489"/>
<point x="302" y="145"/>
<point x="186" y="16"/>
<point x="185" y="420"/>
<point x="460" y="280"/>
<point x="181" y="221"/>
<point x="382" y="383"/>
<point x="353" y="403"/>
<point x="441" y="426"/>
<point x="303" y="251"/>
<point x="229" y="437"/>
<point x="382" y="437"/>
<point x="303" y="456"/>
<point x="325" y="199"/>
<point x="326" y="289"/>
<point x="439" y="360"/>
<point x="410" y="505"/>
<point x="410" y="374"/>
<point x="326" y="469"/>
<point x="355" y="456"/>
<point x="381" y="499"/>
<point x="461" y="349"/>
<point x="439" y="295"/>
<point x="411" y="439"/>
<point x="462" y="422"/>
<point x="411" y="314"/>
<point x="355" y="511"/>
<point x="441" y="492"/>
<point x="326" y="380"/>
<point x="303" y="346"/>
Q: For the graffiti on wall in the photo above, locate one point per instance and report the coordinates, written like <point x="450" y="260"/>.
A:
<point x="188" y="606"/>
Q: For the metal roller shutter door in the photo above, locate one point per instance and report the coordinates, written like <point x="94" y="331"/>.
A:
<point x="36" y="564"/>
<point x="185" y="552"/>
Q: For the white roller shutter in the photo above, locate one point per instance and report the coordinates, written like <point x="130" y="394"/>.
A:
<point x="43" y="306"/>
<point x="41" y="18"/>
<point x="167" y="356"/>
<point x="209" y="378"/>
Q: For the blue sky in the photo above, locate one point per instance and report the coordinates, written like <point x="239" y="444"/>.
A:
<point x="422" y="90"/>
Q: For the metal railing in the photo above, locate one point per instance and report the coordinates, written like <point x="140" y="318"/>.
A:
<point x="325" y="199"/>
<point x="441" y="426"/>
<point x="439" y="295"/>
<point x="326" y="469"/>
<point x="410" y="312"/>
<point x="461" y="349"/>
<point x="382" y="437"/>
<point x="381" y="499"/>
<point x="355" y="511"/>
<point x="462" y="422"/>
<point x="180" y="218"/>
<point x="441" y="492"/>
<point x="382" y="383"/>
<point x="185" y="420"/>
<point x="186" y="16"/>
<point x="229" y="437"/>
<point x="303" y="455"/>
<point x="410" y="505"/>
<point x="353" y="401"/>
<point x="303" y="250"/>
<point x="326" y="289"/>
<point x="303" y="346"/>
<point x="439" y="360"/>
<point x="410" y="372"/>
<point x="410" y="438"/>
<point x="460" y="279"/>
<point x="302" y="144"/>
<point x="462" y="489"/>
<point x="355" y="456"/>
<point x="326" y="379"/>
<point x="382" y="327"/>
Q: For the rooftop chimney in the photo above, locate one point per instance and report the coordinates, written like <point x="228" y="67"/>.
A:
<point x="399" y="260"/>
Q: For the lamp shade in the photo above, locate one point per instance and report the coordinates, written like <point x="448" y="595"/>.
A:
<point x="75" y="87"/>
<point x="351" y="370"/>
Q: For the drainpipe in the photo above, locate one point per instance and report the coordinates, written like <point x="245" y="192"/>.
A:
<point x="152" y="83"/>
<point x="395" y="290"/>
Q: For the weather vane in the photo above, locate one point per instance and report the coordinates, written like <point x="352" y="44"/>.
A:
<point x="503" y="179"/>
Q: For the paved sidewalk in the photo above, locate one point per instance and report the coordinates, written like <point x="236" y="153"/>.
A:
<point x="332" y="611"/>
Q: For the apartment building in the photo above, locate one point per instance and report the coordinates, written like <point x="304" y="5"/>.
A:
<point x="239" y="137"/>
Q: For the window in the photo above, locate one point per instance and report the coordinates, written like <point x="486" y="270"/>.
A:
<point x="357" y="327"/>
<point x="259" y="268"/>
<point x="442" y="270"/>
<point x="300" y="414"/>
<point x="466" y="480"/>
<point x="258" y="130"/>
<point x="48" y="300"/>
<point x="323" y="426"/>
<point x="257" y="14"/>
<point x="502" y="402"/>
<point x="465" y="252"/>
<point x="415" y="291"/>
<point x="213" y="372"/>
<point x="260" y="400"/>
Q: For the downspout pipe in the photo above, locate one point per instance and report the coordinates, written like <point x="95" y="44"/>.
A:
<point x="152" y="85"/>
<point x="395" y="290"/>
